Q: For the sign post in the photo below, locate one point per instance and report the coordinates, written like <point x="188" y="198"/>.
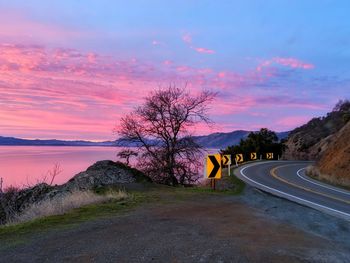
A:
<point x="212" y="184"/>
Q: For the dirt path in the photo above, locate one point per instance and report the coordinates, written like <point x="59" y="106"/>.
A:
<point x="193" y="228"/>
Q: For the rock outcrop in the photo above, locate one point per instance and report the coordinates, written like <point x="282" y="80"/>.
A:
<point x="104" y="173"/>
<point x="100" y="174"/>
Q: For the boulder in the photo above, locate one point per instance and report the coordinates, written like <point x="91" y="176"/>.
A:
<point x="104" y="173"/>
<point x="100" y="174"/>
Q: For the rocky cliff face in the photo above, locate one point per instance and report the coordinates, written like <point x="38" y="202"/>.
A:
<point x="334" y="163"/>
<point x="309" y="141"/>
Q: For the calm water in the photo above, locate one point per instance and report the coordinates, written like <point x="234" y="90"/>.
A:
<point x="22" y="165"/>
<point x="26" y="165"/>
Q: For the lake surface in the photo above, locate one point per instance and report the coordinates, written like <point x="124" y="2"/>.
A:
<point x="25" y="165"/>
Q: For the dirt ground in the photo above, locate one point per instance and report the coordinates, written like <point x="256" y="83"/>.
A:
<point x="194" y="228"/>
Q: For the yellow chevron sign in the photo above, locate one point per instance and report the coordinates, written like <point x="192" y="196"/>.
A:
<point x="253" y="156"/>
<point x="213" y="166"/>
<point x="269" y="156"/>
<point x="226" y="159"/>
<point x="239" y="158"/>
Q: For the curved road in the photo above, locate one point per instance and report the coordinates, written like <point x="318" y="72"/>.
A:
<point x="287" y="179"/>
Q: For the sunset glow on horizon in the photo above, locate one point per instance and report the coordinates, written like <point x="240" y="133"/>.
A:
<point x="71" y="70"/>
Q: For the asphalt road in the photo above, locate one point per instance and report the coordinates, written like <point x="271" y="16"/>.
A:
<point x="287" y="179"/>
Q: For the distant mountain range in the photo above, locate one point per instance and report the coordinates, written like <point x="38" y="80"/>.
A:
<point x="24" y="142"/>
<point x="214" y="140"/>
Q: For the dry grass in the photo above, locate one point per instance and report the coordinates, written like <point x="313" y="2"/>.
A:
<point x="314" y="172"/>
<point x="65" y="203"/>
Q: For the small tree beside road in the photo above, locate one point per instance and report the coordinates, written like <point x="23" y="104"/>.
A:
<point x="160" y="129"/>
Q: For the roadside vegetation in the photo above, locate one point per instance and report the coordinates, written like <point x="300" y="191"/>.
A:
<point x="339" y="181"/>
<point x="261" y="142"/>
<point x="57" y="205"/>
<point x="65" y="203"/>
<point x="12" y="234"/>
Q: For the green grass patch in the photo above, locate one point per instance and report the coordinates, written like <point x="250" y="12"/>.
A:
<point x="234" y="186"/>
<point x="239" y="184"/>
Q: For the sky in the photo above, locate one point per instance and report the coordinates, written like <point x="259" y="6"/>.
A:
<point x="72" y="69"/>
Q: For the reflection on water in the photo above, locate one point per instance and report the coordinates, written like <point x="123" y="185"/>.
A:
<point x="23" y="165"/>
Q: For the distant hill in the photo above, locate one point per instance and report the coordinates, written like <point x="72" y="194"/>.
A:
<point x="217" y="140"/>
<point x="24" y="142"/>
<point x="220" y="140"/>
<point x="310" y="140"/>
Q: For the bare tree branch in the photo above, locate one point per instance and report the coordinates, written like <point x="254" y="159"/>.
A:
<point x="159" y="128"/>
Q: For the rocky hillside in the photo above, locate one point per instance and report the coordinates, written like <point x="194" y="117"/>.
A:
<point x="100" y="174"/>
<point x="334" y="164"/>
<point x="309" y="141"/>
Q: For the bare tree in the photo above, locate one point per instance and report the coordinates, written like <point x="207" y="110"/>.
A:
<point x="56" y="170"/>
<point x="160" y="129"/>
<point x="127" y="154"/>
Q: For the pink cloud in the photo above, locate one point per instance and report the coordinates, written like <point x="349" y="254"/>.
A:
<point x="204" y="50"/>
<point x="168" y="62"/>
<point x="91" y="57"/>
<point x="287" y="62"/>
<point x="65" y="91"/>
<point x="187" y="38"/>
<point x="293" y="63"/>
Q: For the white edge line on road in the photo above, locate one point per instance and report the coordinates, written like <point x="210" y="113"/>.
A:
<point x="289" y="195"/>
<point x="319" y="184"/>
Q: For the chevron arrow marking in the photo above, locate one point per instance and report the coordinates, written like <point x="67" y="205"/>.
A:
<point x="214" y="167"/>
<point x="227" y="160"/>
<point x="239" y="158"/>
